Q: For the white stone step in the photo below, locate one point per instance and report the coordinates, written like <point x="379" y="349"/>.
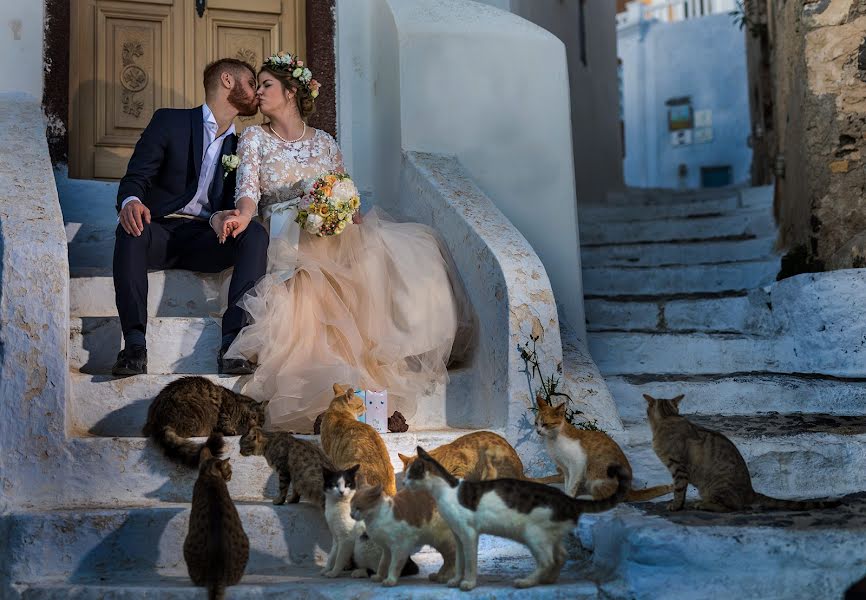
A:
<point x="744" y="224"/>
<point x="748" y="196"/>
<point x="600" y="213"/>
<point x="744" y="314"/>
<point x="172" y="293"/>
<point x="690" y="279"/>
<point x="741" y="394"/>
<point x="618" y="353"/>
<point x="676" y="253"/>
<point x="653" y="554"/>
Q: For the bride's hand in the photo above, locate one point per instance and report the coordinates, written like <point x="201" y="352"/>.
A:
<point x="236" y="224"/>
<point x="219" y="222"/>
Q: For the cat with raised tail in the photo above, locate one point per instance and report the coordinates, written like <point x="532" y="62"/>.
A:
<point x="709" y="461"/>
<point x="196" y="407"/>
<point x="216" y="548"/>
<point x="584" y="456"/>
<point x="536" y="515"/>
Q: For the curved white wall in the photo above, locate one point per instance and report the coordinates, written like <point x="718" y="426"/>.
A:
<point x="469" y="80"/>
<point x="21" y="34"/>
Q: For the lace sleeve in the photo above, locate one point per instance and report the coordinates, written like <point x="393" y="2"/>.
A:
<point x="336" y="155"/>
<point x="248" y="171"/>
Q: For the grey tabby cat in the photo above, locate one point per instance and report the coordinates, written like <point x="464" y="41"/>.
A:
<point x="216" y="548"/>
<point x="536" y="515"/>
<point x="710" y="462"/>
<point x="296" y="462"/>
<point x="197" y="407"/>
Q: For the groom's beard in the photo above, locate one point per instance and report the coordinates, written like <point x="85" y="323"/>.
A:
<point x="246" y="106"/>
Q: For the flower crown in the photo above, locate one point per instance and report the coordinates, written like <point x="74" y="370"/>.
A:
<point x="286" y="62"/>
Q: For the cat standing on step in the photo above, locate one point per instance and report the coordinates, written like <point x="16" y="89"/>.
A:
<point x="402" y="524"/>
<point x="710" y="462"/>
<point x="584" y="456"/>
<point x="480" y="455"/>
<point x="216" y="548"/>
<point x="533" y="514"/>
<point x="296" y="462"/>
<point x="196" y="407"/>
<point x="346" y="441"/>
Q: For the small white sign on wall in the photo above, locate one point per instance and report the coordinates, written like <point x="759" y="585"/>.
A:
<point x="683" y="137"/>
<point x="703" y="135"/>
<point x="703" y="118"/>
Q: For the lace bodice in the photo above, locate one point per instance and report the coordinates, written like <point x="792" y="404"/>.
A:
<point x="272" y="170"/>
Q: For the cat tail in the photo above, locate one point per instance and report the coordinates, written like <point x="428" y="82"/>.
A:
<point x="184" y="450"/>
<point x="216" y="591"/>
<point x="649" y="493"/>
<point x="768" y="503"/>
<point x="558" y="478"/>
<point x="623" y="478"/>
<point x="410" y="568"/>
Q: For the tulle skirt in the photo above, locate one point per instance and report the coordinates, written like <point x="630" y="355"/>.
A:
<point x="379" y="306"/>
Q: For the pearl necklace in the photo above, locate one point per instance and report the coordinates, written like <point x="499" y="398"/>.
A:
<point x="271" y="127"/>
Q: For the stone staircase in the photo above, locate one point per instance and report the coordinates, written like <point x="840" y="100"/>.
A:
<point x="681" y="298"/>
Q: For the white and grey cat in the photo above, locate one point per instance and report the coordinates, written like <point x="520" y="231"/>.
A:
<point x="534" y="514"/>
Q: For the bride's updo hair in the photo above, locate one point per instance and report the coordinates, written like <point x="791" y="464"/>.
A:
<point x="290" y="71"/>
<point x="304" y="99"/>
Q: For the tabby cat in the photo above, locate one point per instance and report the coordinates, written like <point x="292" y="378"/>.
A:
<point x="347" y="441"/>
<point x="197" y="407"/>
<point x="402" y="524"/>
<point x="531" y="513"/>
<point x="710" y="462"/>
<point x="296" y="462"/>
<point x="480" y="455"/>
<point x="216" y="548"/>
<point x="584" y="456"/>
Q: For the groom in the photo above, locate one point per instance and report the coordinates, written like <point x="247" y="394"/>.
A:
<point x="175" y="184"/>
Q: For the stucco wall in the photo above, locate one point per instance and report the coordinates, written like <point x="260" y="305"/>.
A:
<point x="21" y="34"/>
<point x="702" y="58"/>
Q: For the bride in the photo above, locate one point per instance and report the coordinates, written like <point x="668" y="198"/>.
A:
<point x="378" y="306"/>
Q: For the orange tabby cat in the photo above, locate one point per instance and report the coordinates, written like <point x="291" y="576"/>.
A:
<point x="479" y="456"/>
<point x="347" y="441"/>
<point x="584" y="456"/>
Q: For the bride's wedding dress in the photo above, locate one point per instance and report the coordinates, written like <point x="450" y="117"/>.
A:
<point x="377" y="307"/>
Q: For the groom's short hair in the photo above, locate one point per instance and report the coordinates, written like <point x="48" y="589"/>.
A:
<point x="234" y="66"/>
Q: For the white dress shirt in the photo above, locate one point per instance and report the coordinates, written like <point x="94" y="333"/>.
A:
<point x="197" y="207"/>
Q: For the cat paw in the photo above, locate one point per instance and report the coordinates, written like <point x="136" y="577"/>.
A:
<point x="377" y="578"/>
<point x="324" y="570"/>
<point x="524" y="582"/>
<point x="467" y="585"/>
<point x="453" y="582"/>
<point x="279" y="501"/>
<point x="389" y="582"/>
<point x="359" y="573"/>
<point x="674" y="506"/>
<point x="332" y="574"/>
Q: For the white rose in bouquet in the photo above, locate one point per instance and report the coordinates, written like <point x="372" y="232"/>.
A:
<point x="344" y="190"/>
<point x="314" y="222"/>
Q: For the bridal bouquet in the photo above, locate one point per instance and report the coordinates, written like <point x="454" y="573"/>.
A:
<point x="328" y="203"/>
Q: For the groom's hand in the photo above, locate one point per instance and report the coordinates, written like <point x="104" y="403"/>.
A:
<point x="220" y="223"/>
<point x="133" y="217"/>
<point x="235" y="225"/>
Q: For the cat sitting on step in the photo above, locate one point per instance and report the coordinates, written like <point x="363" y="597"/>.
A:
<point x="480" y="455"/>
<point x="216" y="548"/>
<point x="584" y="456"/>
<point x="296" y="462"/>
<point x="402" y="524"/>
<point x="197" y="407"/>
<point x="710" y="462"/>
<point x="536" y="515"/>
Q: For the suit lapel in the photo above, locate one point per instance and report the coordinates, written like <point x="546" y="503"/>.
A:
<point x="215" y="192"/>
<point x="197" y="124"/>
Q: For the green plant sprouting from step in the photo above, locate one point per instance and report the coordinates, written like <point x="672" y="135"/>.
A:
<point x="549" y="389"/>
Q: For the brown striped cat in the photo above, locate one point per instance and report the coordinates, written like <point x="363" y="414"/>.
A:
<point x="710" y="462"/>
<point x="216" y="548"/>
<point x="346" y="441"/>
<point x="296" y="462"/>
<point x="400" y="525"/>
<point x="536" y="515"/>
<point x="196" y="407"/>
<point x="584" y="456"/>
<point x="480" y="455"/>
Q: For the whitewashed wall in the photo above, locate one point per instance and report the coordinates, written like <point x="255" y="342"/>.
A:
<point x="456" y="77"/>
<point x="21" y="35"/>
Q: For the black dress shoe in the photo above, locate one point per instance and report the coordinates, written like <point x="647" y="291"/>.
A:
<point x="130" y="361"/>
<point x="234" y="366"/>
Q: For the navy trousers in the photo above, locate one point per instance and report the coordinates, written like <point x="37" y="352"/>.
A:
<point x="191" y="245"/>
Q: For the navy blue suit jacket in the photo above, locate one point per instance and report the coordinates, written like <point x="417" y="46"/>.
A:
<point x="164" y="169"/>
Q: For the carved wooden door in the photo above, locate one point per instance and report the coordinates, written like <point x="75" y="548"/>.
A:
<point x="131" y="57"/>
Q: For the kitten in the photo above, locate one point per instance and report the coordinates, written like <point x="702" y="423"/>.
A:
<point x="296" y="462"/>
<point x="402" y="524"/>
<point x="347" y="441"/>
<point x="480" y="455"/>
<point x="216" y="548"/>
<point x="349" y="541"/>
<point x="196" y="407"/>
<point x="584" y="456"/>
<point x="533" y="514"/>
<point x="710" y="462"/>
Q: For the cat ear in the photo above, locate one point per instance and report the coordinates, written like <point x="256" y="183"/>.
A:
<point x="677" y="400"/>
<point x="339" y="390"/>
<point x="422" y="453"/>
<point x="542" y="403"/>
<point x="560" y="409"/>
<point x="326" y="472"/>
<point x="376" y="491"/>
<point x="406" y="459"/>
<point x="649" y="398"/>
<point x="353" y="470"/>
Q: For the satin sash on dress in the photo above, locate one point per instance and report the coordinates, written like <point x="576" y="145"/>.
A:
<point x="284" y="233"/>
